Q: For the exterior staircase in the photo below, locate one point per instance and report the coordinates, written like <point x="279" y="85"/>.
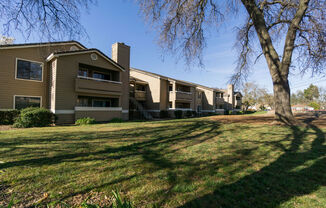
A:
<point x="140" y="108"/>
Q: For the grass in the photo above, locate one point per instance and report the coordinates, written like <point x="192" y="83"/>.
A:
<point x="175" y="163"/>
<point x="257" y="113"/>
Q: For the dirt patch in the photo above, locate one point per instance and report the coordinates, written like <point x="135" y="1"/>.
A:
<point x="5" y="127"/>
<point x="268" y="119"/>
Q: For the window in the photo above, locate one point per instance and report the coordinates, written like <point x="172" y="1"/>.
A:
<point x="82" y="101"/>
<point x="99" y="75"/>
<point x="85" y="101"/>
<point x="83" y="72"/>
<point x="199" y="95"/>
<point x="25" y="102"/>
<point x="170" y="104"/>
<point x="102" y="103"/>
<point x="170" y="88"/>
<point x="182" y="105"/>
<point x="29" y="70"/>
<point x="183" y="88"/>
<point x="238" y="98"/>
<point x="140" y="87"/>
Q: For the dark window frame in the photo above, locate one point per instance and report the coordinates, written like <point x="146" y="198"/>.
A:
<point x="30" y="77"/>
<point x="27" y="96"/>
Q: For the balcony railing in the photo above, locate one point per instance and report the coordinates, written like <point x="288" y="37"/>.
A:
<point x="180" y="95"/>
<point x="83" y="108"/>
<point x="98" y="86"/>
<point x="99" y="80"/>
<point x="219" y="100"/>
<point x="182" y="109"/>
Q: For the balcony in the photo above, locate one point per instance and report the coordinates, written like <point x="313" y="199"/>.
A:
<point x="180" y="95"/>
<point x="219" y="100"/>
<point x="97" y="86"/>
<point x="140" y="95"/>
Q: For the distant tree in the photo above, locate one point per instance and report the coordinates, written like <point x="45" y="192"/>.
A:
<point x="6" y="40"/>
<point x="267" y="99"/>
<point x="322" y="97"/>
<point x="252" y="95"/>
<point x="311" y="93"/>
<point x="315" y="105"/>
<point x="49" y="19"/>
<point x="298" y="24"/>
<point x="298" y="98"/>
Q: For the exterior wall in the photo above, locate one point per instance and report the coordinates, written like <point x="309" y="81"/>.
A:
<point x="153" y="95"/>
<point x="208" y="100"/>
<point x="10" y="86"/>
<point x="164" y="95"/>
<point x="182" y="97"/>
<point x="68" y="86"/>
<point x="99" y="115"/>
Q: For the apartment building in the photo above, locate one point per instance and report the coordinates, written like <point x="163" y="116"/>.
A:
<point x="75" y="82"/>
<point x="164" y="93"/>
<point x="67" y="78"/>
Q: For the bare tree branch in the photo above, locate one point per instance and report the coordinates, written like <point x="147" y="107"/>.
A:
<point x="47" y="19"/>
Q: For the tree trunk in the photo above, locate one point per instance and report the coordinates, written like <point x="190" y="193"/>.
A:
<point x="282" y="103"/>
<point x="279" y="69"/>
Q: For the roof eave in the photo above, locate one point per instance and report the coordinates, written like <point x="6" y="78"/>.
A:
<point x="53" y="55"/>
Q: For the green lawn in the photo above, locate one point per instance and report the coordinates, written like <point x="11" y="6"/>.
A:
<point x="175" y="163"/>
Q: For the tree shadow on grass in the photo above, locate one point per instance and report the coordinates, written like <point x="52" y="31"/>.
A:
<point x="295" y="173"/>
<point x="150" y="143"/>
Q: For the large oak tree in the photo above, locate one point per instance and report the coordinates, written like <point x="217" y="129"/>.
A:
<point x="297" y="24"/>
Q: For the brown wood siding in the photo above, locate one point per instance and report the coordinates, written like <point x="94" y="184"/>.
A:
<point x="67" y="71"/>
<point x="9" y="86"/>
<point x="98" y="115"/>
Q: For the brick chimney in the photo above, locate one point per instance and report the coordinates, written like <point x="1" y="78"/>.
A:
<point x="121" y="55"/>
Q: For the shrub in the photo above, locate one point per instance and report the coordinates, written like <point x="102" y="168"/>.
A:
<point x="188" y="114"/>
<point x="239" y="112"/>
<point x="116" y="120"/>
<point x="178" y="114"/>
<point x="230" y="112"/>
<point x="8" y="117"/>
<point x="194" y="113"/>
<point x="226" y="112"/>
<point x="164" y="114"/>
<point x="85" y="121"/>
<point x="34" y="117"/>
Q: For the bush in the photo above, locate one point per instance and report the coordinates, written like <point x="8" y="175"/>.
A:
<point x="8" y="117"/>
<point x="194" y="113"/>
<point x="85" y="121"/>
<point x="239" y="112"/>
<point x="226" y="112"/>
<point x="178" y="114"/>
<point x="188" y="114"/>
<point x="116" y="120"/>
<point x="164" y="114"/>
<point x="34" y="117"/>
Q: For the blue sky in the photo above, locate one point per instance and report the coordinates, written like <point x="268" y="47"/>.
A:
<point x="119" y="21"/>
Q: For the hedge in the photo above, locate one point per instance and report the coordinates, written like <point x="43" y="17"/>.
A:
<point x="34" y="117"/>
<point x="8" y="117"/>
